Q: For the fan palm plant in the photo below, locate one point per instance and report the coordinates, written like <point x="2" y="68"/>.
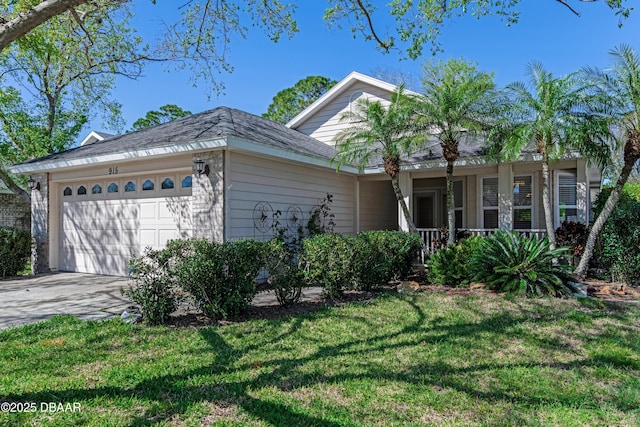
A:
<point x="457" y="102"/>
<point x="378" y="130"/>
<point x="620" y="89"/>
<point x="555" y="116"/>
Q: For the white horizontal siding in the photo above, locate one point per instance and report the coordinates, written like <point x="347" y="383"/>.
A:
<point x="378" y="206"/>
<point x="325" y="124"/>
<point x="253" y="180"/>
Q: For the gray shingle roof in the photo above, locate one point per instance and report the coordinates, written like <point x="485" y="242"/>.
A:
<point x="221" y="122"/>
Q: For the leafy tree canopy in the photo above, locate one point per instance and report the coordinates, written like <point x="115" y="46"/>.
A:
<point x="201" y="36"/>
<point x="166" y="113"/>
<point x="419" y="23"/>
<point x="289" y="102"/>
<point x="58" y="76"/>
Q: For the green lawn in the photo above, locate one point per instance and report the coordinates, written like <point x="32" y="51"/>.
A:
<point x="428" y="358"/>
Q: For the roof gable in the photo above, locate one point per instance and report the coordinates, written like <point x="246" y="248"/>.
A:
<point x="338" y="89"/>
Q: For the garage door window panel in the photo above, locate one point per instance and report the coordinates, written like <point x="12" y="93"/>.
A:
<point x="96" y="189"/>
<point x="67" y="192"/>
<point x="82" y="191"/>
<point x="148" y="185"/>
<point x="130" y="187"/>
<point x="113" y="188"/>
<point x="167" y="184"/>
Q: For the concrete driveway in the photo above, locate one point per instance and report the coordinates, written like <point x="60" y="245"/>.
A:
<point x="33" y="299"/>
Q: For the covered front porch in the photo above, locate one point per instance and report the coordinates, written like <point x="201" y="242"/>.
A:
<point x="486" y="198"/>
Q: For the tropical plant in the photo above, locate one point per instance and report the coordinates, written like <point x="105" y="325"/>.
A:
<point x="510" y="262"/>
<point x="619" y="86"/>
<point x="376" y="130"/>
<point x="553" y="115"/>
<point x="458" y="102"/>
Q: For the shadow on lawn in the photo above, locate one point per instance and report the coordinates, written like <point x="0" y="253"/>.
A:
<point x="285" y="374"/>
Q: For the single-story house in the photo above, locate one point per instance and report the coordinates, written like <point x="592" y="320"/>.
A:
<point x="223" y="174"/>
<point x="14" y="211"/>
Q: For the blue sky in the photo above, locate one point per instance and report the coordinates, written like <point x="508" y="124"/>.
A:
<point x="547" y="32"/>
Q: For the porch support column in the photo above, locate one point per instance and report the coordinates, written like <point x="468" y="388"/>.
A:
<point x="505" y="196"/>
<point x="208" y="198"/>
<point x="406" y="186"/>
<point x="582" y="191"/>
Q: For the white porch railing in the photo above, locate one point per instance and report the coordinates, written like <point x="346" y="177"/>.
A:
<point x="432" y="237"/>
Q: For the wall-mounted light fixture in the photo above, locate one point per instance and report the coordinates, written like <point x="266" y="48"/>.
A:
<point x="201" y="166"/>
<point x="33" y="184"/>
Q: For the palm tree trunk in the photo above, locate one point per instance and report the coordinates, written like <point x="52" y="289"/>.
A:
<point x="403" y="205"/>
<point x="609" y="205"/>
<point x="451" y="212"/>
<point x="546" y="203"/>
<point x="14" y="187"/>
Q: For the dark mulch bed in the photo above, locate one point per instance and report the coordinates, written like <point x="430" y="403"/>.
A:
<point x="604" y="291"/>
<point x="275" y="311"/>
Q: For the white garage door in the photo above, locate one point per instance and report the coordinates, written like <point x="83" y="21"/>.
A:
<point x="100" y="233"/>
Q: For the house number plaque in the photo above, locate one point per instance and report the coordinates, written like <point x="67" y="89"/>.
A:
<point x="113" y="171"/>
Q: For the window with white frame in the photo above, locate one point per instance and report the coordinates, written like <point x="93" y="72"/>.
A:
<point x="567" y="192"/>
<point x="458" y="202"/>
<point x="490" y="202"/>
<point x="522" y="202"/>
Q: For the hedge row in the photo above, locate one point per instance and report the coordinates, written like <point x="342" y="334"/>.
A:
<point x="221" y="277"/>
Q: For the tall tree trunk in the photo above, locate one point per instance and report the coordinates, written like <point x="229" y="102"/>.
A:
<point x="4" y="177"/>
<point x="451" y="206"/>
<point x="609" y="205"/>
<point x="546" y="202"/>
<point x="403" y="205"/>
<point x="26" y="21"/>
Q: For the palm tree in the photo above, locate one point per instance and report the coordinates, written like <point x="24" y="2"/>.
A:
<point x="376" y="130"/>
<point x="457" y="102"/>
<point x="554" y="113"/>
<point x="620" y="86"/>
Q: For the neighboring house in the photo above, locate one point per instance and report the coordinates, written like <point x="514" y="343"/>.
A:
<point x="95" y="136"/>
<point x="14" y="212"/>
<point x="102" y="202"/>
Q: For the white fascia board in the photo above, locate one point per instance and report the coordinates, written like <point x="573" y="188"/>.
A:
<point x="196" y="146"/>
<point x="441" y="163"/>
<point x="336" y="90"/>
<point x="247" y="146"/>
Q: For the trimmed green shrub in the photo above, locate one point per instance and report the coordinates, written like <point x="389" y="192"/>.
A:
<point x="15" y="250"/>
<point x="153" y="286"/>
<point x="285" y="276"/>
<point x="509" y="262"/>
<point x="618" y="247"/>
<point x="220" y="276"/>
<point x="381" y="256"/>
<point x="449" y="266"/>
<point x="327" y="260"/>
